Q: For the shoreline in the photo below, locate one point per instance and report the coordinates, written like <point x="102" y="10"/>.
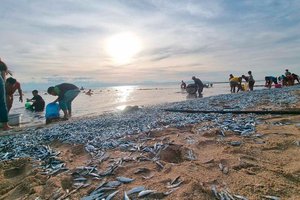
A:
<point x="206" y="149"/>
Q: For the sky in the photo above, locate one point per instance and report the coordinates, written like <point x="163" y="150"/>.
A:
<point x="52" y="41"/>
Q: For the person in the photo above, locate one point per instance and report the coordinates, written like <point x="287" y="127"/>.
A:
<point x="183" y="85"/>
<point x="283" y="80"/>
<point x="66" y="93"/>
<point x="235" y="82"/>
<point x="11" y="86"/>
<point x="89" y="92"/>
<point x="251" y="81"/>
<point x="296" y="77"/>
<point x="287" y="73"/>
<point x="3" y="108"/>
<point x="269" y="80"/>
<point x="289" y="77"/>
<point x="199" y="85"/>
<point x="38" y="102"/>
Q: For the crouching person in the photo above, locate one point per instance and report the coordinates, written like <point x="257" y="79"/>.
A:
<point x="66" y="93"/>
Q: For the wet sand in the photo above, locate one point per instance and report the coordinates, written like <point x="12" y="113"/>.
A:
<point x="264" y="164"/>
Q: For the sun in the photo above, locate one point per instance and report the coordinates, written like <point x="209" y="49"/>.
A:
<point x="123" y="47"/>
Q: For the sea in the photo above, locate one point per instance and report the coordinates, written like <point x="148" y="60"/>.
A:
<point x="113" y="99"/>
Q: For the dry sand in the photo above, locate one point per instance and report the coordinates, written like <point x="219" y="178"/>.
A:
<point x="267" y="165"/>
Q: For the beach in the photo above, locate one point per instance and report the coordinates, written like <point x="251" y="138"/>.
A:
<point x="175" y="155"/>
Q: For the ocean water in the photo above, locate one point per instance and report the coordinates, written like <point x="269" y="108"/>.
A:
<point x="114" y="99"/>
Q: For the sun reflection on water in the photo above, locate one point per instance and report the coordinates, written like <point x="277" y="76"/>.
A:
<point x="123" y="95"/>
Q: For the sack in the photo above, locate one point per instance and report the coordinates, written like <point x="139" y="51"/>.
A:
<point x="52" y="111"/>
<point x="191" y="88"/>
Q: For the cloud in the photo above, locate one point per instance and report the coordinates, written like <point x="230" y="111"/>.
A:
<point x="65" y="39"/>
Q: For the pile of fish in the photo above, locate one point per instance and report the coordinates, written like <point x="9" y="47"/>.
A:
<point x="105" y="131"/>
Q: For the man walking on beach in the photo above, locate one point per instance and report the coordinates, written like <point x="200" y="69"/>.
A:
<point x="66" y="93"/>
<point x="3" y="108"/>
<point x="199" y="85"/>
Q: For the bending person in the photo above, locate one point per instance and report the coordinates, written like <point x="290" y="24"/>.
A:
<point x="199" y="85"/>
<point x="66" y="93"/>
<point x="269" y="80"/>
<point x="11" y="86"/>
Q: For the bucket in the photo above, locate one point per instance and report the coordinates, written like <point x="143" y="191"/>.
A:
<point x="191" y="88"/>
<point x="14" y="119"/>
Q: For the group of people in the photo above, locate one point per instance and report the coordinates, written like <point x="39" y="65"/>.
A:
<point x="66" y="93"/>
<point x="198" y="85"/>
<point x="287" y="79"/>
<point x="236" y="82"/>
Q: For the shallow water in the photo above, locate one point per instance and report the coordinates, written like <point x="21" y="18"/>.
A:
<point x="113" y="99"/>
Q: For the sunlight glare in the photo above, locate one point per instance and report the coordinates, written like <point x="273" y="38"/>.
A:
<point x="123" y="47"/>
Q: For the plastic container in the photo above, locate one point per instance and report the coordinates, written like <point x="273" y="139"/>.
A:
<point x="14" y="119"/>
<point x="278" y="86"/>
<point x="191" y="88"/>
<point x="52" y="111"/>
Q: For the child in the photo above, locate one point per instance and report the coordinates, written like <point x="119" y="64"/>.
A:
<point x="38" y="102"/>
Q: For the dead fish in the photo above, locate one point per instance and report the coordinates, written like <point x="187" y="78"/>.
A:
<point x="80" y="179"/>
<point x="124" y="179"/>
<point x="235" y="143"/>
<point x="109" y="197"/>
<point x="148" y="177"/>
<point x="175" y="180"/>
<point x="214" y="190"/>
<point x="175" y="185"/>
<point x="126" y="196"/>
<point x="240" y="197"/>
<point x="136" y="190"/>
<point x="113" y="184"/>
<point x="271" y="197"/>
<point x="141" y="170"/>
<point x="145" y="193"/>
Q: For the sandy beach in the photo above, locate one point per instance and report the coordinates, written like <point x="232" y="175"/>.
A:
<point x="178" y="156"/>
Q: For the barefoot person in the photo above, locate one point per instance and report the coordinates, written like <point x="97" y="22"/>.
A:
<point x="3" y="108"/>
<point x="66" y="93"/>
<point x="199" y="85"/>
<point x="11" y="86"/>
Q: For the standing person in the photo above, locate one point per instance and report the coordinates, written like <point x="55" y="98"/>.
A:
<point x="11" y="86"/>
<point x="38" y="102"/>
<point x="3" y="108"/>
<point x="251" y="81"/>
<point x="199" y="85"/>
<point x="66" y="93"/>
<point x="183" y="85"/>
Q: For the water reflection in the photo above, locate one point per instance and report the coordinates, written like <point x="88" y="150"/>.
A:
<point x="123" y="94"/>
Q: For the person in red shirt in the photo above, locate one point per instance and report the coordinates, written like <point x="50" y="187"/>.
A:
<point x="11" y="86"/>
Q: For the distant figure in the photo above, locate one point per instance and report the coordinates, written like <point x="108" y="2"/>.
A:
<point x="183" y="85"/>
<point x="81" y="88"/>
<point x="89" y="92"/>
<point x="269" y="80"/>
<point x="296" y="77"/>
<point x="235" y="82"/>
<point x="199" y="85"/>
<point x="38" y="102"/>
<point x="251" y="81"/>
<point x="289" y="78"/>
<point x="3" y="107"/>
<point x="11" y="86"/>
<point x="66" y="93"/>
<point x="287" y="73"/>
<point x="283" y="80"/>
